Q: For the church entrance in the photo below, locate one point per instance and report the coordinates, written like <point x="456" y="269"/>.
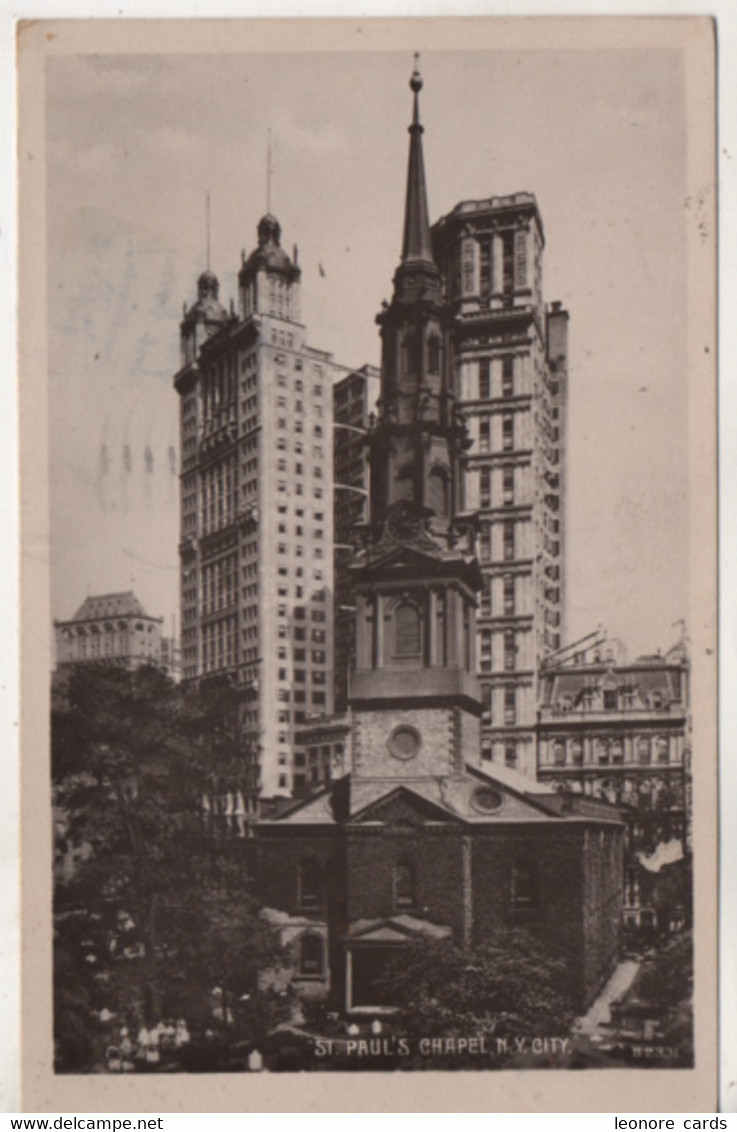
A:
<point x="367" y="967"/>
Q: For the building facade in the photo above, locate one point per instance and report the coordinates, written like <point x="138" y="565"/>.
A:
<point x="114" y="629"/>
<point x="256" y="549"/>
<point x="509" y="352"/>
<point x="620" y="732"/>
<point x="354" y="401"/>
<point x="418" y="841"/>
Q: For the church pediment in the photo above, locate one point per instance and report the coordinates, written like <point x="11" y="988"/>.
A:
<point x="402" y="808"/>
<point x="396" y="929"/>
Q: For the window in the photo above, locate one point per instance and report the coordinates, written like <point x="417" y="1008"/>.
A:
<point x="404" y="885"/>
<point x="610" y="699"/>
<point x="438" y="492"/>
<point x="510" y="754"/>
<point x="485" y="487"/>
<point x="433" y="355"/>
<point x="508" y="540"/>
<point x="662" y="749"/>
<point x="507" y="375"/>
<point x="407" y="629"/>
<point x="643" y="750"/>
<point x="577" y="752"/>
<point x="484" y="379"/>
<point x="559" y="753"/>
<point x="510" y="704"/>
<point x="484" y="434"/>
<point x="310" y="883"/>
<point x="508" y="483"/>
<point x="510" y="649"/>
<point x="311" y="952"/>
<point x="485" y="657"/>
<point x="507" y="433"/>
<point x="523" y="886"/>
<point x="602" y="752"/>
<point x="509" y="593"/>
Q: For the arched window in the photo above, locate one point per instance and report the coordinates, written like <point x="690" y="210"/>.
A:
<point x="643" y="750"/>
<point x="662" y="748"/>
<point x="311" y="955"/>
<point x="433" y="355"/>
<point x="404" y="885"/>
<point x="408" y="629"/>
<point x="524" y="885"/>
<point x="559" y="753"/>
<point x="407" y="482"/>
<point x="310" y="883"/>
<point x="438" y="492"/>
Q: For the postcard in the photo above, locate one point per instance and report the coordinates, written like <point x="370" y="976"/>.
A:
<point x="368" y="465"/>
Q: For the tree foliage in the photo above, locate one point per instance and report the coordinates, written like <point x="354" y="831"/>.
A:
<point x="507" y="986"/>
<point x="157" y="909"/>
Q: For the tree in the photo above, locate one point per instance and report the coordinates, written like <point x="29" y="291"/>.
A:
<point x="508" y="986"/>
<point x="168" y="907"/>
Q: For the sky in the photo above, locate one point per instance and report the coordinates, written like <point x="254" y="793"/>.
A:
<point x="134" y="144"/>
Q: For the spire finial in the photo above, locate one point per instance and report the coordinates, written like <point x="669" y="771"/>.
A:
<point x="207" y="229"/>
<point x="417" y="246"/>
<point x="415" y="85"/>
<point x="268" y="173"/>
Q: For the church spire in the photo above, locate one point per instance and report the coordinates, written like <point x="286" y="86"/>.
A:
<point x="417" y="245"/>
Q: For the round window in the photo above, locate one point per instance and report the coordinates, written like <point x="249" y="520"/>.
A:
<point x="404" y="742"/>
<point x="486" y="800"/>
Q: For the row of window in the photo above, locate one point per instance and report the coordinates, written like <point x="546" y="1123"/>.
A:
<point x="612" y="699"/>
<point x="486" y="603"/>
<point x="523" y="884"/>
<point x="605" y="752"/>
<point x="488" y="550"/>
<point x="510" y="650"/>
<point x="509" y="750"/>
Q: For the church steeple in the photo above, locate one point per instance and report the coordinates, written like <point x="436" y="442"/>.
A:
<point x="416" y="576"/>
<point x="417" y="245"/>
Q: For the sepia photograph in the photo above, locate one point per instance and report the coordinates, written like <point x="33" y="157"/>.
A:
<point x="372" y="553"/>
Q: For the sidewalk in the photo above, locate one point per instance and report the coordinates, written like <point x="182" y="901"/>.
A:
<point x="599" y="1014"/>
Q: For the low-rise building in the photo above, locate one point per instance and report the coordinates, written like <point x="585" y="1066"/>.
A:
<point x="619" y="731"/>
<point x="114" y="629"/>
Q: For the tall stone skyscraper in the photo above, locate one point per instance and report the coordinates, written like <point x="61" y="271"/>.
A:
<point x="509" y="353"/>
<point x="256" y="546"/>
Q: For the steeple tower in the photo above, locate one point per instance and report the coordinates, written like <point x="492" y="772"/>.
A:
<point x="416" y="575"/>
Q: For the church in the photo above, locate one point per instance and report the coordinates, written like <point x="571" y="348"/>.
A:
<point x="420" y="839"/>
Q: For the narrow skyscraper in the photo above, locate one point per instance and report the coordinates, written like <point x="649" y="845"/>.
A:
<point x="257" y="507"/>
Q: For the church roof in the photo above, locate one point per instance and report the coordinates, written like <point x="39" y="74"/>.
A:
<point x="497" y="796"/>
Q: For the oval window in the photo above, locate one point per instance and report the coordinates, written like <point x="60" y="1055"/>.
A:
<point x="486" y="800"/>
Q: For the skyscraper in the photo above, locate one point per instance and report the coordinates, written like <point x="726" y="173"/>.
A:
<point x="510" y="356"/>
<point x="257" y="505"/>
<point x="354" y="401"/>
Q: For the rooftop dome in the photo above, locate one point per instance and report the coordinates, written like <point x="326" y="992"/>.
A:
<point x="207" y="285"/>
<point x="208" y="308"/>
<point x="269" y="229"/>
<point x="269" y="252"/>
